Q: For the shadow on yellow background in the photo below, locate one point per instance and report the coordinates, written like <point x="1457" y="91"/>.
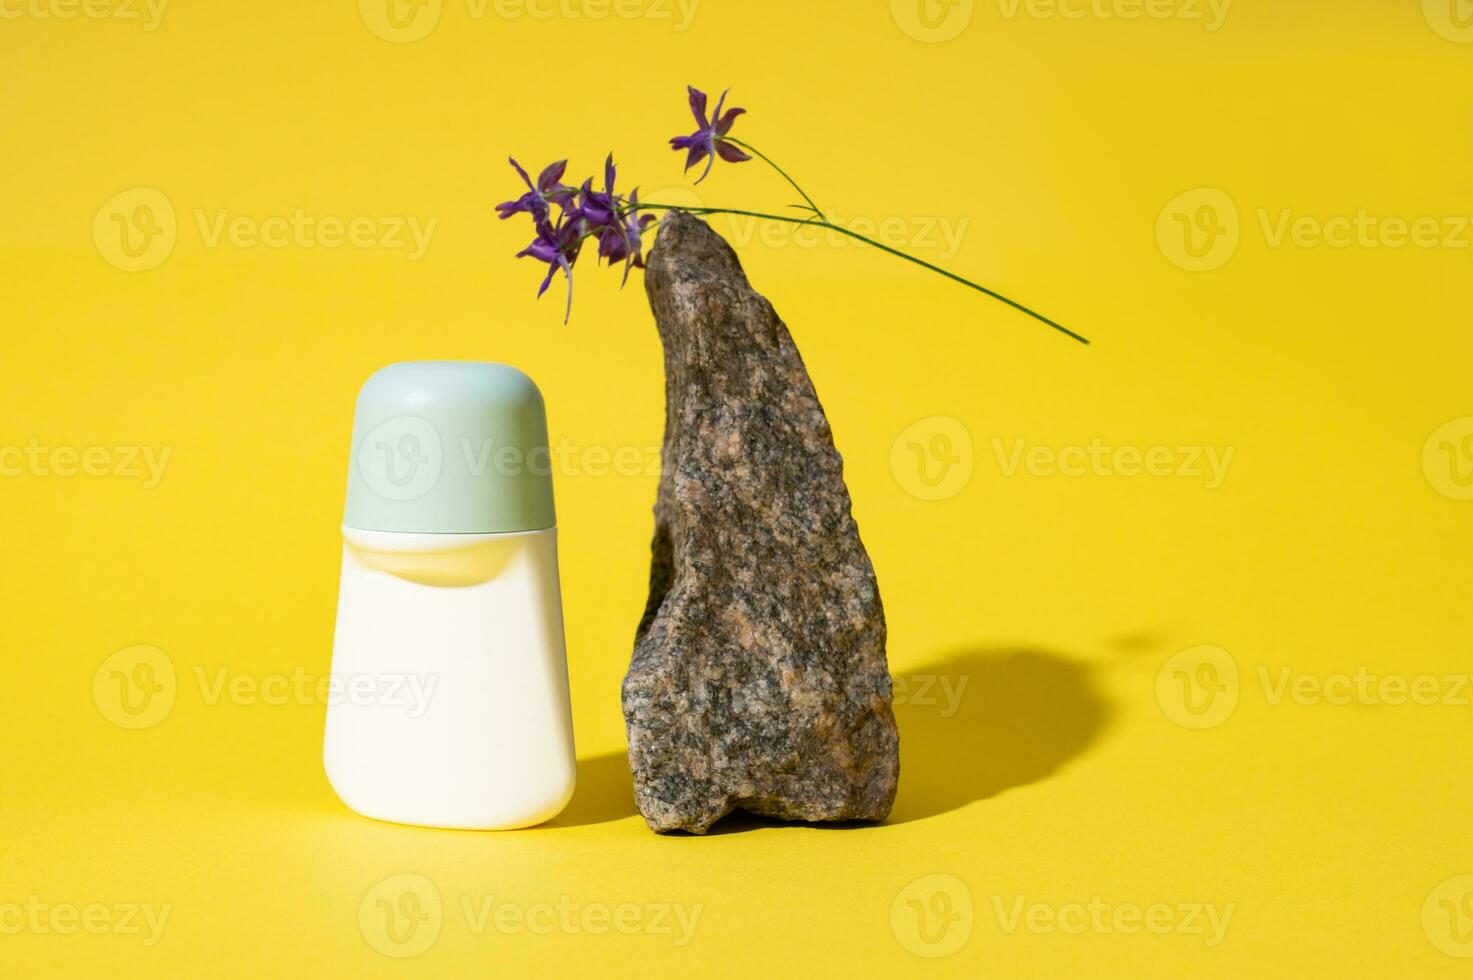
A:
<point x="1008" y="718"/>
<point x="1023" y="714"/>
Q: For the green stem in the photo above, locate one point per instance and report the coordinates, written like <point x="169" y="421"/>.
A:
<point x="882" y="247"/>
<point x="768" y="160"/>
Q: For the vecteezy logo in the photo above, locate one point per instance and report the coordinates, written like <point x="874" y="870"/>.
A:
<point x="135" y="687"/>
<point x="401" y="915"/>
<point x="1452" y="19"/>
<point x="136" y="229"/>
<point x="401" y="458"/>
<point x="1198" y="230"/>
<point x="1447" y="459"/>
<point x="932" y="21"/>
<point x="1447" y="916"/>
<point x="933" y="458"/>
<point x="932" y="916"/>
<point x="400" y="21"/>
<point x="1198" y="688"/>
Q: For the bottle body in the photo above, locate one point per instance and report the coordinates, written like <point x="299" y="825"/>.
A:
<point x="449" y="705"/>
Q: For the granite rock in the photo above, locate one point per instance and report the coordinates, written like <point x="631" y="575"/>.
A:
<point x="758" y="679"/>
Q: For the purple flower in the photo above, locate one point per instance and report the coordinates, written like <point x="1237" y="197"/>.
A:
<point x="540" y="196"/>
<point x="615" y="222"/>
<point x="558" y="246"/>
<point x="707" y="142"/>
<point x="599" y="209"/>
<point x="621" y="242"/>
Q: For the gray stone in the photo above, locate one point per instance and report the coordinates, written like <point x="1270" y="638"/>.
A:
<point x="758" y="679"/>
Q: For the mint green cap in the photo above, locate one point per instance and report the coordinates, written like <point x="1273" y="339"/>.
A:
<point x="450" y="447"/>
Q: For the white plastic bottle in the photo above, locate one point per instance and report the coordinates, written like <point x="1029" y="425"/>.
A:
<point x="449" y="698"/>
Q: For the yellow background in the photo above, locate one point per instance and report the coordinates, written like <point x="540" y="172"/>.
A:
<point x="1061" y="775"/>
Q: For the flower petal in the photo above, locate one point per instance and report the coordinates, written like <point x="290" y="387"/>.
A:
<point x="719" y="103"/>
<point x="525" y="179"/>
<point x="708" y="167"/>
<point x="697" y="104"/>
<point x="696" y="155"/>
<point x="730" y="152"/>
<point x="568" y="272"/>
<point x="550" y="175"/>
<point x="508" y="208"/>
<point x="723" y="125"/>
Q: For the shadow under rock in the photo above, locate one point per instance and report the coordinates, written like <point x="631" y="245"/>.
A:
<point x="971" y="726"/>
<point x="983" y="721"/>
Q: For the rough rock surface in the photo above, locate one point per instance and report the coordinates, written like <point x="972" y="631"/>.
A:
<point x="758" y="679"/>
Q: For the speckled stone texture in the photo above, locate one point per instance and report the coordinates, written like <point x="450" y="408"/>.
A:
<point x="758" y="679"/>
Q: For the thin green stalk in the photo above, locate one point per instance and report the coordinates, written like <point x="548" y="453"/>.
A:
<point x="768" y="160"/>
<point x="650" y="205"/>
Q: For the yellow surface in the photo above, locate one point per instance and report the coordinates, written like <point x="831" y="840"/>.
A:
<point x="1106" y="721"/>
